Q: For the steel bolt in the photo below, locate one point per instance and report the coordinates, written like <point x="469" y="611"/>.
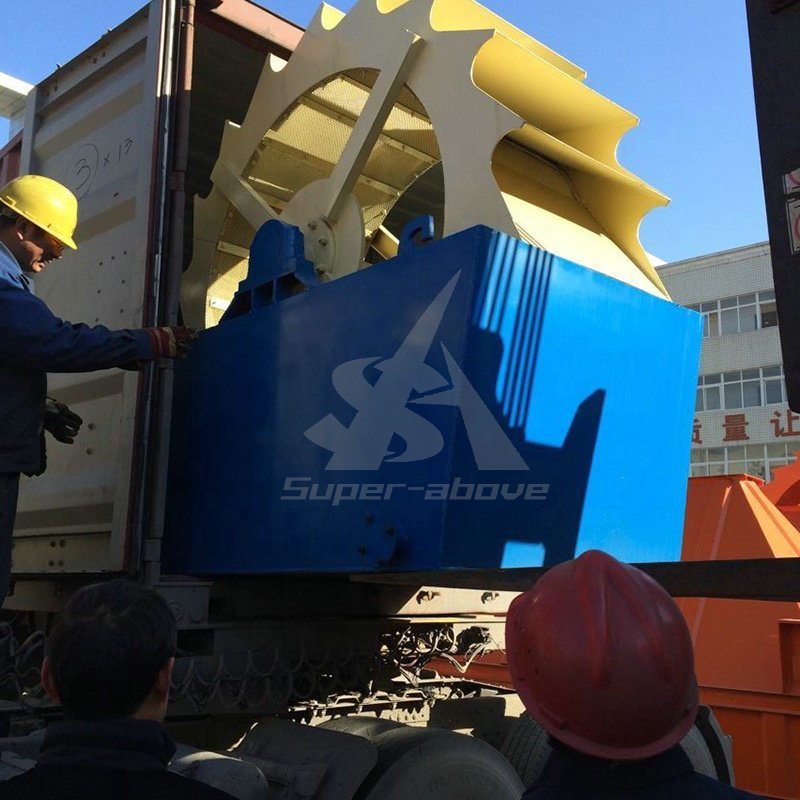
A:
<point x="312" y="226"/>
<point x="322" y="240"/>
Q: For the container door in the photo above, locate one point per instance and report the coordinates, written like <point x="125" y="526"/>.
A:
<point x="94" y="124"/>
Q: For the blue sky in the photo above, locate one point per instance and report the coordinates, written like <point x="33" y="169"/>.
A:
<point x="682" y="67"/>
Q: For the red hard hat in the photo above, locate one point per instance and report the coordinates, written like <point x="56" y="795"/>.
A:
<point x="601" y="656"/>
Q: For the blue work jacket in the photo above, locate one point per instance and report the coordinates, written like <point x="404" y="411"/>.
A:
<point x="569" y="775"/>
<point x="33" y="342"/>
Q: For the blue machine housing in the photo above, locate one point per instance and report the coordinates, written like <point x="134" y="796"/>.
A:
<point x="472" y="403"/>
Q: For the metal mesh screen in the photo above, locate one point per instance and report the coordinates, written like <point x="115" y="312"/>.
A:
<point x="229" y="268"/>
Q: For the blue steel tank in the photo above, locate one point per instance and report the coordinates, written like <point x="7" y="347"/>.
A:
<point x="473" y="403"/>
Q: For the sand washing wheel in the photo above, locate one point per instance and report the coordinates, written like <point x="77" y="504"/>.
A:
<point x="405" y="107"/>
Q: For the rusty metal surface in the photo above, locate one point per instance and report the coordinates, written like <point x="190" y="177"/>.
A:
<point x="9" y="159"/>
<point x="256" y="20"/>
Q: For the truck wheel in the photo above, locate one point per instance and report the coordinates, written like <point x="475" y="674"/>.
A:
<point x="694" y="745"/>
<point x="365" y="727"/>
<point x="526" y="748"/>
<point x="233" y="775"/>
<point x="431" y="764"/>
<point x="718" y="742"/>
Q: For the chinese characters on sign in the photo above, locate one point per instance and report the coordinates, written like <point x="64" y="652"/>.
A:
<point x="738" y="428"/>
<point x="735" y="425"/>
<point x="789" y="430"/>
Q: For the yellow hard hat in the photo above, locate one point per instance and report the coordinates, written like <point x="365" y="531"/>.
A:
<point x="45" y="203"/>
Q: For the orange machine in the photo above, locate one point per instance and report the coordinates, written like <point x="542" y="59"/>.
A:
<point x="784" y="491"/>
<point x="748" y="651"/>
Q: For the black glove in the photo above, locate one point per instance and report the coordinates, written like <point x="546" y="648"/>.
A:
<point x="62" y="423"/>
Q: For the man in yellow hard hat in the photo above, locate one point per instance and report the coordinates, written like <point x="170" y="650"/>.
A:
<point x="38" y="217"/>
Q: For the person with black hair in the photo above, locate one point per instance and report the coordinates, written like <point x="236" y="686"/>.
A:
<point x="108" y="663"/>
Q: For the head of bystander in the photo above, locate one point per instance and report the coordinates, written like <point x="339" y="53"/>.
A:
<point x="111" y="652"/>
<point x="602" y="659"/>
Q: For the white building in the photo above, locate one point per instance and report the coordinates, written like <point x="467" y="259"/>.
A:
<point x="742" y="422"/>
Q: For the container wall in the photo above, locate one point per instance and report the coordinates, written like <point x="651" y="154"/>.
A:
<point x="92" y="125"/>
<point x="96" y="125"/>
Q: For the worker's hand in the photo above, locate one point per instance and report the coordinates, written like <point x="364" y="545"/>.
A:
<point x="171" y="342"/>
<point x="62" y="423"/>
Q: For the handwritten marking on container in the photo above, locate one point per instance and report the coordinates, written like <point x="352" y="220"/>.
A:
<point x="86" y="163"/>
<point x="116" y="156"/>
<point x="82" y="169"/>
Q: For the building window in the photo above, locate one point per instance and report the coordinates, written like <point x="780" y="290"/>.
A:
<point x="708" y="393"/>
<point x="743" y="388"/>
<point x="767" y="310"/>
<point x="759" y="460"/>
<point x="774" y="386"/>
<point x="745" y="312"/>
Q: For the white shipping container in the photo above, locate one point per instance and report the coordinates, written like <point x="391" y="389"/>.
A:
<point x="132" y="126"/>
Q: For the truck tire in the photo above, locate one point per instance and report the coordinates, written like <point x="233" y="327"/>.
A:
<point x="695" y="747"/>
<point x="719" y="744"/>
<point x="365" y="727"/>
<point x="526" y="748"/>
<point x="435" y="764"/>
<point x="240" y="779"/>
